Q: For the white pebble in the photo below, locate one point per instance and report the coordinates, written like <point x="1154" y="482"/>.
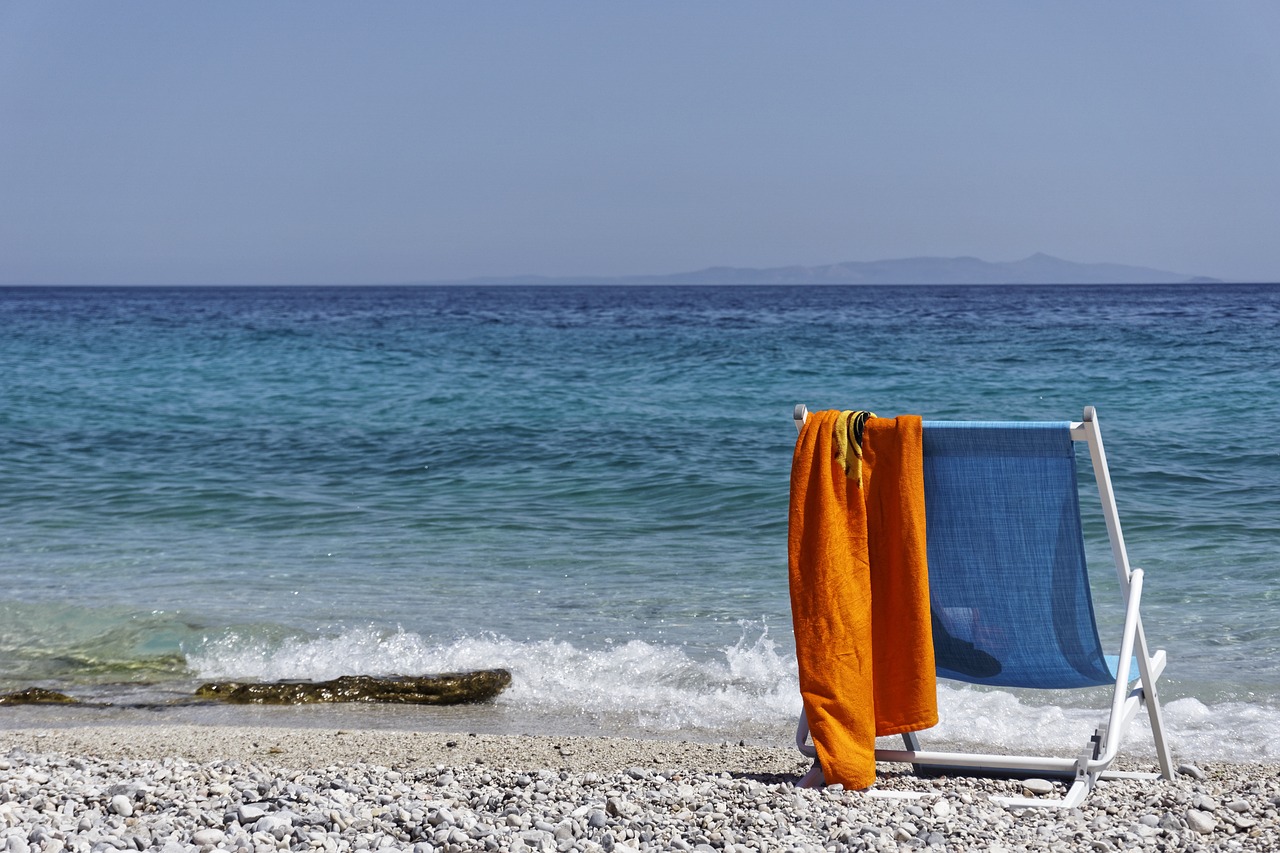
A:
<point x="249" y="814"/>
<point x="1201" y="822"/>
<point x="120" y="805"/>
<point x="208" y="836"/>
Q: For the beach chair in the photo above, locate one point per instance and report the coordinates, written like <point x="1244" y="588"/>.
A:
<point x="1010" y="596"/>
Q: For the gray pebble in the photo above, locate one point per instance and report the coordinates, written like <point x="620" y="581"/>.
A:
<point x="1192" y="771"/>
<point x="120" y="805"/>
<point x="1037" y="787"/>
<point x="537" y="839"/>
<point x="248" y="814"/>
<point x="1206" y="803"/>
<point x="276" y="825"/>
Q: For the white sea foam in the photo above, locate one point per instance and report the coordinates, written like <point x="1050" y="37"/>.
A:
<point x="1224" y="731"/>
<point x="747" y="690"/>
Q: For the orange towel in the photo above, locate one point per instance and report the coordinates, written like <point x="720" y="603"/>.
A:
<point x="860" y="593"/>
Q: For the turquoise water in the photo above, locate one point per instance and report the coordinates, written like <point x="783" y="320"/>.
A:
<point x="587" y="485"/>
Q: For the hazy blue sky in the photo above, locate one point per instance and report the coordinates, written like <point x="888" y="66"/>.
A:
<point x="153" y="142"/>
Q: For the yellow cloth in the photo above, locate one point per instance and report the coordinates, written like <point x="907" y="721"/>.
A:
<point x="860" y="592"/>
<point x="847" y="436"/>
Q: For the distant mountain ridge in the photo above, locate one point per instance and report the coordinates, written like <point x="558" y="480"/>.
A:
<point x="1036" y="269"/>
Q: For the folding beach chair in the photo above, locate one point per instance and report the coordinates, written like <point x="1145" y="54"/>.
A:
<point x="1009" y="591"/>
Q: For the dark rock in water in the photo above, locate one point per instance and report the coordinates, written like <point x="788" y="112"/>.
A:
<point x="37" y="696"/>
<point x="450" y="688"/>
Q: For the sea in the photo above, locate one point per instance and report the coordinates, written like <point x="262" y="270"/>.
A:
<point x="588" y="486"/>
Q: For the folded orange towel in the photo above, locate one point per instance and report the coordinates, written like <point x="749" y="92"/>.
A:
<point x="860" y="592"/>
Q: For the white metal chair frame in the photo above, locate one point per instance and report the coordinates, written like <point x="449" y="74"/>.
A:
<point x="1100" y="752"/>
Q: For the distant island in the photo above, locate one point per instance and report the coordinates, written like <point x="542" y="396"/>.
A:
<point x="1036" y="269"/>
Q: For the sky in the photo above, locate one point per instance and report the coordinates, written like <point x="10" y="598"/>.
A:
<point x="347" y="143"/>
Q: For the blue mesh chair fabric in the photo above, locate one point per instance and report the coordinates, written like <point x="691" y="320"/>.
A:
<point x="1008" y="586"/>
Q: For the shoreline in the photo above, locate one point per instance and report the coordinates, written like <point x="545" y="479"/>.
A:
<point x="406" y="750"/>
<point x="258" y="788"/>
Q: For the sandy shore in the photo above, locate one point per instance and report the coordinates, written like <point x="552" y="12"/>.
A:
<point x="304" y="748"/>
<point x="176" y="787"/>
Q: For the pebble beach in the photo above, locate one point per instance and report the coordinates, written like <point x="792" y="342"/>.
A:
<point x="95" y="789"/>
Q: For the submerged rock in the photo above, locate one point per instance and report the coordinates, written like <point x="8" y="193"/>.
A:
<point x="37" y="696"/>
<point x="450" y="688"/>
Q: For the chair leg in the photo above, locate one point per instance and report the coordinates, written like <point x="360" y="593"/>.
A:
<point x="911" y="742"/>
<point x="1163" y="756"/>
<point x="814" y="778"/>
<point x="1152" y="700"/>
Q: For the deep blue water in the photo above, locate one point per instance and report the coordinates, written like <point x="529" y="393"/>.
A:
<point x="586" y="484"/>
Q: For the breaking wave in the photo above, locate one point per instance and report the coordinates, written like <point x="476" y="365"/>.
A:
<point x="746" y="690"/>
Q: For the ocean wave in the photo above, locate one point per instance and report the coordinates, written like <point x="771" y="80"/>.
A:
<point x="748" y="690"/>
<point x="659" y="688"/>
